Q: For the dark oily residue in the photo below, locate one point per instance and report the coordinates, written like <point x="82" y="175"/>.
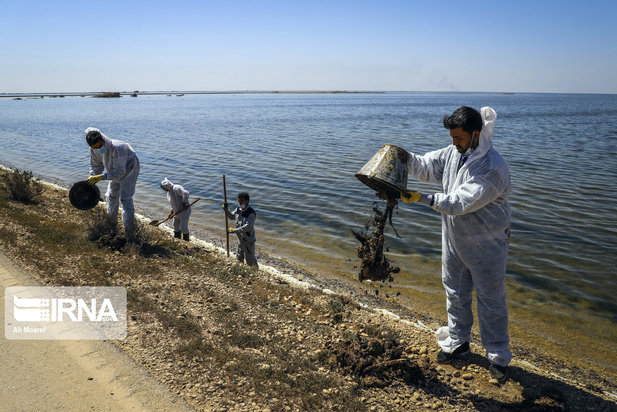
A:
<point x="374" y="264"/>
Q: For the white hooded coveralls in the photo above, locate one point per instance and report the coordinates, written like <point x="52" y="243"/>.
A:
<point x="475" y="234"/>
<point x="178" y="198"/>
<point x="122" y="169"/>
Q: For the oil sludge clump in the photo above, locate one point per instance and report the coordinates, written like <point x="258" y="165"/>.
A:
<point x="385" y="173"/>
<point x="374" y="264"/>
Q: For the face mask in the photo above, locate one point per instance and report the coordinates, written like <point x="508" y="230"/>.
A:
<point x="470" y="148"/>
<point x="100" y="150"/>
<point x="242" y="207"/>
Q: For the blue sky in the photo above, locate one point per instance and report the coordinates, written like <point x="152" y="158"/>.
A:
<point x="496" y="46"/>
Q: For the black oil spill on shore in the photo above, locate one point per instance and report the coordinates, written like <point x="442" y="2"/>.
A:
<point x="376" y="363"/>
<point x="374" y="264"/>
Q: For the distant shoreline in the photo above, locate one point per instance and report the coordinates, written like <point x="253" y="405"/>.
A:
<point x="136" y="93"/>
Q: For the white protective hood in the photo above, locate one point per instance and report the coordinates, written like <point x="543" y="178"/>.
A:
<point x="94" y="129"/>
<point x="489" y="116"/>
<point x="166" y="184"/>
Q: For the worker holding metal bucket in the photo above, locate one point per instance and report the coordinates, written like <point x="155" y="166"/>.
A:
<point x="120" y="165"/>
<point x="475" y="233"/>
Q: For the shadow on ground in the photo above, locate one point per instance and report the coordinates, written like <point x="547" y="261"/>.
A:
<point x="380" y="363"/>
<point x="540" y="393"/>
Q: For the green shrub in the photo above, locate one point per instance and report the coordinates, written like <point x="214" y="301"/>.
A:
<point x="241" y="270"/>
<point x="145" y="241"/>
<point x="103" y="229"/>
<point x="138" y="236"/>
<point x="22" y="187"/>
<point x="336" y="306"/>
<point x="101" y="224"/>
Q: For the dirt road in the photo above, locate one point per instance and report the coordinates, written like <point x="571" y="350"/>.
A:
<point x="74" y="375"/>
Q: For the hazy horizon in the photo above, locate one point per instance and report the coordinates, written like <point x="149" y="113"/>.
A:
<point x="73" y="93"/>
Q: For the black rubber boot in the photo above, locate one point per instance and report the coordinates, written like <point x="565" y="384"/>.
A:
<point x="185" y="236"/>
<point x="177" y="235"/>
<point x="498" y="373"/>
<point x="461" y="351"/>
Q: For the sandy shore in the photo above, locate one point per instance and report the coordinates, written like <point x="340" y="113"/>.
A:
<point x="73" y="375"/>
<point x="223" y="337"/>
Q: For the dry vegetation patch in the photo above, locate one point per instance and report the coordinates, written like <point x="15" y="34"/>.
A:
<point x="229" y="337"/>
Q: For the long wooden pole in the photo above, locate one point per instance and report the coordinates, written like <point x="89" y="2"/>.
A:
<point x="226" y="222"/>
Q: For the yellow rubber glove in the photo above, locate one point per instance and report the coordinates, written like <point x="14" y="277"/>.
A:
<point x="95" y="179"/>
<point x="409" y="196"/>
<point x="231" y="230"/>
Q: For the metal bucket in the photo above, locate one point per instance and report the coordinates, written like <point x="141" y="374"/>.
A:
<point x="84" y="196"/>
<point x="386" y="172"/>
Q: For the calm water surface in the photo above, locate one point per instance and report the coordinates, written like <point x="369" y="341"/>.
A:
<point x="297" y="154"/>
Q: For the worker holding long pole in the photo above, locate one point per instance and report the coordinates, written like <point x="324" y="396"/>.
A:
<point x="244" y="216"/>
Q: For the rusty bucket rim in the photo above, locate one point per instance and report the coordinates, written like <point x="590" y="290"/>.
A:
<point x="375" y="173"/>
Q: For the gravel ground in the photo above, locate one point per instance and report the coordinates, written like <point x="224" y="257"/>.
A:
<point x="226" y="337"/>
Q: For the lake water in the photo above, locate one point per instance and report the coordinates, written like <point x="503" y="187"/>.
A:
<point x="296" y="154"/>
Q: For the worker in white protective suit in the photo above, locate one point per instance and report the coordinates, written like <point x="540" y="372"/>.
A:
<point x="121" y="166"/>
<point x="475" y="234"/>
<point x="178" y="198"/>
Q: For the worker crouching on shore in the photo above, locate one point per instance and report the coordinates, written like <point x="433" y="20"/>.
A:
<point x="245" y="222"/>
<point x="178" y="198"/>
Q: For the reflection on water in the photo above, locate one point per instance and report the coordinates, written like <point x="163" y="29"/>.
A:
<point x="297" y="155"/>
